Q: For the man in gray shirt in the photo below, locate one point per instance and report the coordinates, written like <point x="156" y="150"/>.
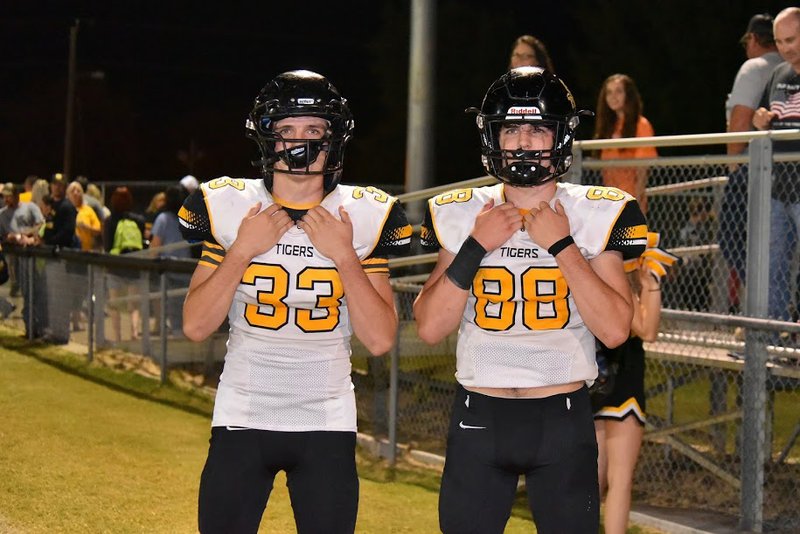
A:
<point x="748" y="86"/>
<point x="19" y="221"/>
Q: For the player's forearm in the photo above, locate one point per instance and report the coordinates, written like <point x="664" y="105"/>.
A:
<point x="374" y="320"/>
<point x="207" y="304"/>
<point x="606" y="312"/>
<point x="647" y="316"/>
<point x="438" y="309"/>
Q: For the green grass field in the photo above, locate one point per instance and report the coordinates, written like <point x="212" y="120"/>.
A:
<point x="84" y="448"/>
<point x="91" y="449"/>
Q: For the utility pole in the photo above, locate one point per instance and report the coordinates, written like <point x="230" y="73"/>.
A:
<point x="71" y="76"/>
<point x="419" y="137"/>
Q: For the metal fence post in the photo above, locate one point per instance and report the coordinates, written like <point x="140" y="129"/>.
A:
<point x="754" y="453"/>
<point x="100" y="300"/>
<point x="144" y="305"/>
<point x="164" y="332"/>
<point x="30" y="263"/>
<point x="394" y="356"/>
<point x="90" y="311"/>
<point x="376" y="370"/>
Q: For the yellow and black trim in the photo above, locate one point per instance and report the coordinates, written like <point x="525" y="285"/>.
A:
<point x="211" y="255"/>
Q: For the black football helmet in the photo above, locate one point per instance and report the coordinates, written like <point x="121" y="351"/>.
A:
<point x="300" y="93"/>
<point x="535" y="96"/>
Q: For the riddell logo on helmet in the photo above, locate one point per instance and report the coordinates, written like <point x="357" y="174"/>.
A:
<point x="305" y="101"/>
<point x="530" y="110"/>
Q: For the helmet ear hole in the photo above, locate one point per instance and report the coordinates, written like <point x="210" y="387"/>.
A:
<point x="529" y="95"/>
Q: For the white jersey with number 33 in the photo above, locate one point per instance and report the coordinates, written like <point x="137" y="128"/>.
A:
<point x="287" y="365"/>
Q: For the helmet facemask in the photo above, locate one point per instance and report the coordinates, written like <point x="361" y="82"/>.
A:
<point x="521" y="166"/>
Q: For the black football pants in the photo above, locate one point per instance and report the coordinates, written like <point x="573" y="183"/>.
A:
<point x="241" y="467"/>
<point x="492" y="441"/>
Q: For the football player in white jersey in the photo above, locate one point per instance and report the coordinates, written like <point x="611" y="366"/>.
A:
<point x="297" y="262"/>
<point x="530" y="271"/>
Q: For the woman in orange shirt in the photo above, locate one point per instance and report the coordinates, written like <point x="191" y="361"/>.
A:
<point x="619" y="114"/>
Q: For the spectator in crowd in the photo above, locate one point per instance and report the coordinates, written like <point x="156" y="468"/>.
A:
<point x="167" y="231"/>
<point x="19" y="221"/>
<point x="121" y="282"/>
<point x="41" y="187"/>
<point x="59" y="231"/>
<point x="27" y="185"/>
<point x="92" y="201"/>
<point x="619" y="114"/>
<point x="155" y="207"/>
<point x="528" y="51"/>
<point x="742" y="102"/>
<point x="189" y="184"/>
<point x="87" y="224"/>
<point x="6" y="307"/>
<point x="26" y="224"/>
<point x="19" y="224"/>
<point x="748" y="86"/>
<point x="87" y="230"/>
<point x="319" y="250"/>
<point x="529" y="271"/>
<point x="780" y="109"/>
<point x="619" y="403"/>
<point x="92" y="191"/>
<point x="150" y="214"/>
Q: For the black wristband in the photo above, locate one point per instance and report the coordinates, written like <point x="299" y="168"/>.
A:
<point x="560" y="245"/>
<point x="466" y="263"/>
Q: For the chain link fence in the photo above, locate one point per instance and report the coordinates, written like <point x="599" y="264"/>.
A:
<point x="722" y="380"/>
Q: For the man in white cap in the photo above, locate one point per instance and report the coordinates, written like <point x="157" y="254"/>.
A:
<point x="748" y="86"/>
<point x="189" y="183"/>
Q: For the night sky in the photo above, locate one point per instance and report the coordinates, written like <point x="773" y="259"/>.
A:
<point x="164" y="87"/>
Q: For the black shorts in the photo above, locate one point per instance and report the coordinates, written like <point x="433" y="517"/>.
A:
<point x="627" y="397"/>
<point x="241" y="467"/>
<point x="492" y="441"/>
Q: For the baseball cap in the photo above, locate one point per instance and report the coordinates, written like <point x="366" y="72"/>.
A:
<point x="189" y="182"/>
<point x="760" y="24"/>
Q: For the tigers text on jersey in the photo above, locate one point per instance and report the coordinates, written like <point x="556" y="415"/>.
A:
<point x="521" y="327"/>
<point x="287" y="365"/>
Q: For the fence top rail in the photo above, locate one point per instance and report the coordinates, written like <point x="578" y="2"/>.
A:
<point x="687" y="140"/>
<point x="121" y="261"/>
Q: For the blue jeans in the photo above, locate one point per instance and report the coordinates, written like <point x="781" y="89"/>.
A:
<point x="783" y="232"/>
<point x="732" y="233"/>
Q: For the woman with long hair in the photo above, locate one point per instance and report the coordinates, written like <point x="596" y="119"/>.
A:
<point x="122" y="282"/>
<point x="528" y="51"/>
<point x="619" y="114"/>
